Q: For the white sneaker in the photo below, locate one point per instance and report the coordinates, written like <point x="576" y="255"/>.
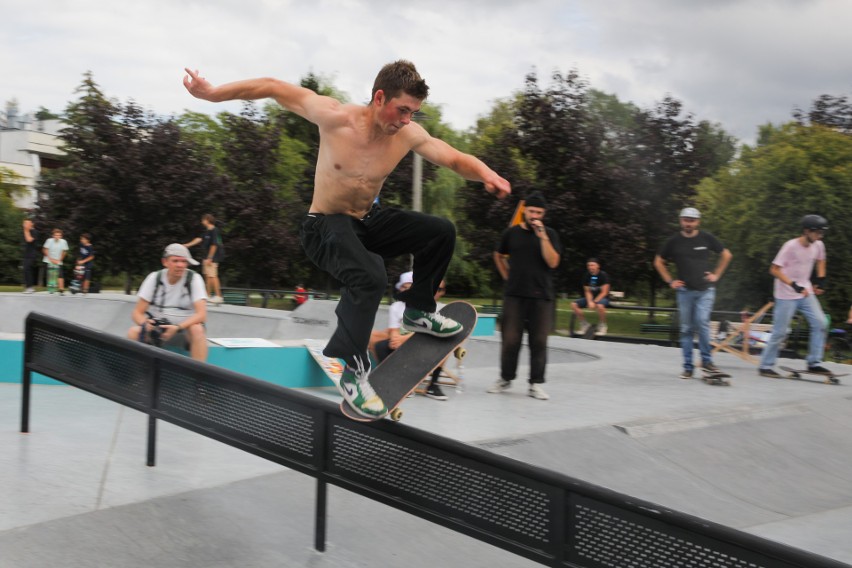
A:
<point x="584" y="327"/>
<point x="216" y="299"/>
<point x="500" y="386"/>
<point x="537" y="392"/>
<point x="601" y="329"/>
<point x="29" y="291"/>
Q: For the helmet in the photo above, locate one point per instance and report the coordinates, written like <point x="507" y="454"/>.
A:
<point x="690" y="213"/>
<point x="814" y="223"/>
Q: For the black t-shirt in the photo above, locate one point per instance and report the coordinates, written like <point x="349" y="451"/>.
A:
<point x="31" y="250"/>
<point x="529" y="275"/>
<point x="691" y="256"/>
<point x="208" y="239"/>
<point x="595" y="282"/>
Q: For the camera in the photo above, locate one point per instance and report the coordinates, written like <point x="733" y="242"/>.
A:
<point x="156" y="334"/>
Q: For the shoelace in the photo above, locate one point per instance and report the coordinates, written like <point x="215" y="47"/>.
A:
<point x="362" y="375"/>
<point x="440" y="319"/>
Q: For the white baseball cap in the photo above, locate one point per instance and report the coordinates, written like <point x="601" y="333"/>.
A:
<point x="690" y="213"/>
<point x="405" y="278"/>
<point x="177" y="249"/>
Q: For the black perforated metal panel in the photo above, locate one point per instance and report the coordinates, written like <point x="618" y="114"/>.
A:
<point x="606" y="536"/>
<point x="92" y="363"/>
<point x="280" y="426"/>
<point x="473" y="492"/>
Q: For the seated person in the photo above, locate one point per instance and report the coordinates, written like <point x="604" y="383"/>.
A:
<point x="168" y="294"/>
<point x="383" y="343"/>
<point x="596" y="297"/>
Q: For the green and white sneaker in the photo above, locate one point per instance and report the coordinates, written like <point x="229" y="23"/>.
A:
<point x="432" y="323"/>
<point x="355" y="388"/>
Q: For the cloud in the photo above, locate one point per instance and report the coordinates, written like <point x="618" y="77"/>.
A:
<point x="739" y="63"/>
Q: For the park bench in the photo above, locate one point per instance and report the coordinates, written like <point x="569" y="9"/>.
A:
<point x="235" y="298"/>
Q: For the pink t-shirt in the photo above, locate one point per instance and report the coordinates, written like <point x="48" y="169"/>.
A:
<point x="797" y="262"/>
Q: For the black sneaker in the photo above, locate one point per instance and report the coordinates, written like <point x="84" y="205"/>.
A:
<point x="434" y="391"/>
<point x="686" y="374"/>
<point x="710" y="368"/>
<point x="769" y="373"/>
<point x="819" y="369"/>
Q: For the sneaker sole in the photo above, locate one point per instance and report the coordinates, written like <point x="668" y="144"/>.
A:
<point x="437" y="397"/>
<point x="439" y="335"/>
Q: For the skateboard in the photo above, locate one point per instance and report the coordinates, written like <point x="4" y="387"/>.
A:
<point x="76" y="285"/>
<point x="796" y="374"/>
<point x="717" y="378"/>
<point x="398" y="375"/>
<point x="52" y="277"/>
<point x="331" y="366"/>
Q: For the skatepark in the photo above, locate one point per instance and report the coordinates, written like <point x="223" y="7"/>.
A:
<point x="772" y="458"/>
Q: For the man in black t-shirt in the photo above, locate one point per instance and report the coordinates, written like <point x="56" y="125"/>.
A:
<point x="213" y="251"/>
<point x="595" y="297"/>
<point x="30" y="249"/>
<point x="525" y="257"/>
<point x="695" y="284"/>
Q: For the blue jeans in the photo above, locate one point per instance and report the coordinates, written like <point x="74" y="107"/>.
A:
<point x="782" y="313"/>
<point x="694" y="307"/>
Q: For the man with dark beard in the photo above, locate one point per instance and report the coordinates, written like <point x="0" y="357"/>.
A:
<point x="695" y="284"/>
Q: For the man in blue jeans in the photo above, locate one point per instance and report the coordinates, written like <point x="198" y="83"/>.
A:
<point x="695" y="284"/>
<point x="794" y="290"/>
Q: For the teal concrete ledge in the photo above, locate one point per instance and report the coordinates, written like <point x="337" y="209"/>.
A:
<point x="290" y="366"/>
<point x="486" y="325"/>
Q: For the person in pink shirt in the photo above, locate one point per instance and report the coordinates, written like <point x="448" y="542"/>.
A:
<point x="795" y="291"/>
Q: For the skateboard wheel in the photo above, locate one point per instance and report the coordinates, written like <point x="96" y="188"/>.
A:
<point x="460" y="352"/>
<point x="396" y="414"/>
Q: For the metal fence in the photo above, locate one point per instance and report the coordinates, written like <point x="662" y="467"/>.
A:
<point x="550" y="518"/>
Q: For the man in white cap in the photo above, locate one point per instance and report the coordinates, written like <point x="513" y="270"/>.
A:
<point x="172" y="305"/>
<point x="695" y="284"/>
<point x="386" y="341"/>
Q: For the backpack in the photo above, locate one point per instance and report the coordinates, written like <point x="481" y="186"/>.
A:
<point x="190" y="274"/>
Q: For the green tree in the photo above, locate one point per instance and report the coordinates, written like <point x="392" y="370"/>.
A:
<point x="9" y="183"/>
<point x="757" y="203"/>
<point x="130" y="179"/>
<point x="10" y="240"/>
<point x="613" y="174"/>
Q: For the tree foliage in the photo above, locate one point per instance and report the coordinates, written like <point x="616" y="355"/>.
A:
<point x="757" y="204"/>
<point x="11" y="238"/>
<point x="614" y="175"/>
<point x="129" y="178"/>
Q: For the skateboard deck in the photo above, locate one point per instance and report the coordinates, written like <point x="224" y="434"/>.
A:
<point x="796" y="374"/>
<point x="398" y="375"/>
<point x="52" y="277"/>
<point x="77" y="283"/>
<point x="590" y="333"/>
<point x="719" y="378"/>
<point x="331" y="366"/>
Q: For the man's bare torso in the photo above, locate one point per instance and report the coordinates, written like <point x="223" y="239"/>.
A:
<point x="354" y="160"/>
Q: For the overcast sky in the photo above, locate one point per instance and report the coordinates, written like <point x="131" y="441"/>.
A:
<point x="740" y="63"/>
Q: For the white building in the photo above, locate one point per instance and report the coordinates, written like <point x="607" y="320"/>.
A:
<point x="26" y="147"/>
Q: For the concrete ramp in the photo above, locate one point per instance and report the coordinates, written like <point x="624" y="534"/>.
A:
<point x="754" y="474"/>
<point x="111" y="313"/>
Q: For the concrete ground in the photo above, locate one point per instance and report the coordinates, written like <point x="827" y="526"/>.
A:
<point x="770" y="457"/>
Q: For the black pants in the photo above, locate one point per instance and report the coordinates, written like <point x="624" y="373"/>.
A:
<point x="30" y="271"/>
<point x="353" y="252"/>
<point x="535" y="317"/>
